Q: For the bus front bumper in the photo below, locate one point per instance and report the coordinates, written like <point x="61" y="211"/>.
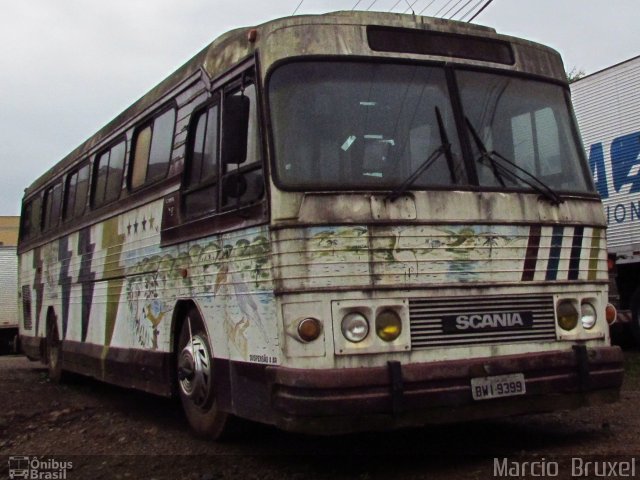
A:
<point x="395" y="396"/>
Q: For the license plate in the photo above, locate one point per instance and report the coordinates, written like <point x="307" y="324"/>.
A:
<point x="499" y="386"/>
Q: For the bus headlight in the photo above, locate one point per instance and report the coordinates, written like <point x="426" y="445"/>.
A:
<point x="355" y="327"/>
<point x="388" y="325"/>
<point x="588" y="315"/>
<point x="567" y="315"/>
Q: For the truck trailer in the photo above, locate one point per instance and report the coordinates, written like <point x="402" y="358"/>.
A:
<point x="607" y="106"/>
<point x="8" y="299"/>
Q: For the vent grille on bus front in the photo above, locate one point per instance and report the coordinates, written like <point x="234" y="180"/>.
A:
<point x="456" y="321"/>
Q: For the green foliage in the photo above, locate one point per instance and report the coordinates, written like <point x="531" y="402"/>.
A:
<point x="575" y="74"/>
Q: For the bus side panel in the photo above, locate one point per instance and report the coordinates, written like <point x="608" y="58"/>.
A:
<point x="113" y="290"/>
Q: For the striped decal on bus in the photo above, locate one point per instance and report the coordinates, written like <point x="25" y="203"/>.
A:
<point x="562" y="253"/>
<point x="593" y="253"/>
<point x="576" y="249"/>
<point x="554" y="253"/>
<point x="531" y="257"/>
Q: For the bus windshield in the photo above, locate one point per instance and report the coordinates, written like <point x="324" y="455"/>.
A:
<point x="356" y="125"/>
<point x="527" y="122"/>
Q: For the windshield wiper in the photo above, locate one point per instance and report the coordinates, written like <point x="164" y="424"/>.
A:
<point x="500" y="170"/>
<point x="444" y="148"/>
<point x="444" y="139"/>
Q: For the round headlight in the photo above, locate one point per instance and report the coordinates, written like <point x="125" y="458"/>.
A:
<point x="355" y="327"/>
<point x="309" y="329"/>
<point x="588" y="315"/>
<point x="567" y="315"/>
<point x="388" y="325"/>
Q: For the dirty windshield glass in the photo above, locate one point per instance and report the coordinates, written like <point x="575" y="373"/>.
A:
<point x="356" y="125"/>
<point x="526" y="122"/>
<point x="347" y="125"/>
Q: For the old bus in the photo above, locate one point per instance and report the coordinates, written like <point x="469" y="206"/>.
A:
<point x="329" y="223"/>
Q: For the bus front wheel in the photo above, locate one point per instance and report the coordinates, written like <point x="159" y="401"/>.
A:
<point x="195" y="379"/>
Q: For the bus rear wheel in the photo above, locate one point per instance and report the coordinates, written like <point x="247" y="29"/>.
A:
<point x="54" y="351"/>
<point x="195" y="380"/>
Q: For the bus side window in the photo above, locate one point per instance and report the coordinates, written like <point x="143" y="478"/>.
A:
<point x="31" y="218"/>
<point x="242" y="177"/>
<point x="51" y="207"/>
<point x="201" y="173"/>
<point x="25" y="221"/>
<point x="140" y="157"/>
<point x="75" y="195"/>
<point x="82" y="191"/>
<point x="108" y="171"/>
<point x="70" y="196"/>
<point x="152" y="150"/>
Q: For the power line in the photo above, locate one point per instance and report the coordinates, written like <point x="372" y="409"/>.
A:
<point x="461" y="8"/>
<point x="443" y="7"/>
<point x="410" y="5"/>
<point x="454" y="6"/>
<point x="352" y="8"/>
<point x="395" y="5"/>
<point x="470" y="11"/>
<point x="294" y="12"/>
<point x="480" y="11"/>
<point x="428" y="5"/>
<point x="372" y="4"/>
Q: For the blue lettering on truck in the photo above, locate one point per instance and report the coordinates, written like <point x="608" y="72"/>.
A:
<point x="625" y="173"/>
<point x="596" y="163"/>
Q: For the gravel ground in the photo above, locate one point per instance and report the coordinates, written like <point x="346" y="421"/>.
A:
<point x="112" y="433"/>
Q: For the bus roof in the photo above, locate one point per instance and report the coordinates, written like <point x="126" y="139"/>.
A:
<point x="233" y="46"/>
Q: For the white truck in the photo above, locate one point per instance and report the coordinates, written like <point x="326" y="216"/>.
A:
<point x="8" y="299"/>
<point x="607" y="106"/>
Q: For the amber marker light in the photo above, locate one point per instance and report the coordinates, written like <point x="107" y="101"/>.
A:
<point x="309" y="329"/>
<point x="252" y="35"/>
<point x="567" y="315"/>
<point x="388" y="325"/>
<point x="611" y="314"/>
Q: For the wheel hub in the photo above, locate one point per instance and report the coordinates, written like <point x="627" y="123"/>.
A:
<point x="186" y="366"/>
<point x="194" y="370"/>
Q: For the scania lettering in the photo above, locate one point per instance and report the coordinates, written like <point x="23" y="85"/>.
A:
<point x="489" y="321"/>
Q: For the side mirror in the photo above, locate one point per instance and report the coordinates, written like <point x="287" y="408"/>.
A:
<point x="235" y="128"/>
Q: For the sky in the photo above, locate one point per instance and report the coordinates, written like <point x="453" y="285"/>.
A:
<point x="67" y="67"/>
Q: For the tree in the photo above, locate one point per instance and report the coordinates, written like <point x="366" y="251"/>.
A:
<point x="575" y="74"/>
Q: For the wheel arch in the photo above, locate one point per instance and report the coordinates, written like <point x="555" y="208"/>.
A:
<point x="51" y="314"/>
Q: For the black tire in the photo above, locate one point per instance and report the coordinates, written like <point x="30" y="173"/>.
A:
<point x="196" y="380"/>
<point x="54" y="351"/>
<point x="15" y="344"/>
<point x="635" y="316"/>
<point x="6" y="341"/>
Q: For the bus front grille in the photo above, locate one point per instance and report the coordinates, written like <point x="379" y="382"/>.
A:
<point x="456" y="321"/>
